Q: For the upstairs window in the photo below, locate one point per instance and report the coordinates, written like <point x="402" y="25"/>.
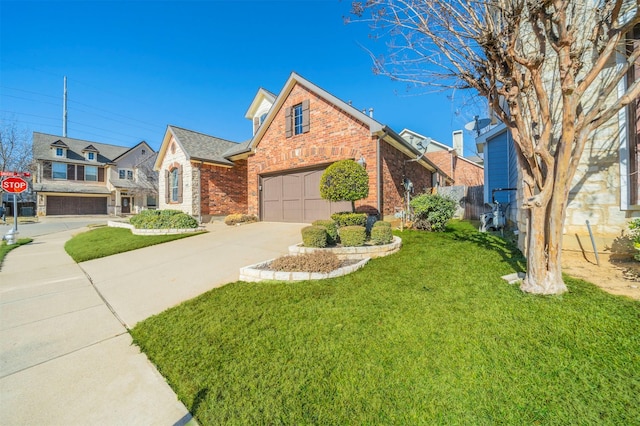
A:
<point x="297" y="119"/>
<point x="91" y="156"/>
<point x="130" y="174"/>
<point x="122" y="174"/>
<point x="91" y="173"/>
<point x="59" y="152"/>
<point x="59" y="171"/>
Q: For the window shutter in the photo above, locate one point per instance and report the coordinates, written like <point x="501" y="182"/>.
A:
<point x="46" y="170"/>
<point x="167" y="188"/>
<point x="287" y="120"/>
<point x="71" y="172"/>
<point x="100" y="174"/>
<point x="180" y="184"/>
<point x="80" y="175"/>
<point x="305" y="116"/>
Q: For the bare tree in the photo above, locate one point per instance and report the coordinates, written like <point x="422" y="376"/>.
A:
<point x="550" y="69"/>
<point x="15" y="147"/>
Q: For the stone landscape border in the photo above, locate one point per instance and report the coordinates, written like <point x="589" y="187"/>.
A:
<point x="172" y="231"/>
<point x="256" y="272"/>
<point x="352" y="253"/>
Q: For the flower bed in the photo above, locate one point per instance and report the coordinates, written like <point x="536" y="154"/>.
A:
<point x="362" y="252"/>
<point x="261" y="272"/>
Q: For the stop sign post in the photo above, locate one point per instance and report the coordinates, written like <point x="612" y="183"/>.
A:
<point x="14" y="185"/>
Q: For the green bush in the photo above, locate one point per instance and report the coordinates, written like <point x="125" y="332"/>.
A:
<point x="319" y="261"/>
<point x="344" y="180"/>
<point x="238" y="218"/>
<point x="353" y="236"/>
<point x="349" y="219"/>
<point x="314" y="236"/>
<point x="163" y="219"/>
<point x="382" y="223"/>
<point x="432" y="211"/>
<point x="381" y="235"/>
<point x="332" y="230"/>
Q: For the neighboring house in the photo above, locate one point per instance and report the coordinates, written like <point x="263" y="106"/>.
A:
<point x="276" y="174"/>
<point x="606" y="189"/>
<point x="463" y="171"/>
<point x="78" y="177"/>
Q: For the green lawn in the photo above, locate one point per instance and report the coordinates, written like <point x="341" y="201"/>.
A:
<point x="430" y="335"/>
<point x="6" y="248"/>
<point x="102" y="242"/>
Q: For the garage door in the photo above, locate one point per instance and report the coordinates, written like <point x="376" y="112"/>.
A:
<point x="57" y="205"/>
<point x="295" y="197"/>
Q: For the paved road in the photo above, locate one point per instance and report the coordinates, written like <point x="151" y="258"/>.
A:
<point x="66" y="356"/>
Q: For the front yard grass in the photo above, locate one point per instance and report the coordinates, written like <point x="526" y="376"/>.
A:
<point x="430" y="335"/>
<point x="102" y="242"/>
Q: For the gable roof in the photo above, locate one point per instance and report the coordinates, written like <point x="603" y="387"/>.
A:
<point x="134" y="148"/>
<point x="263" y="94"/>
<point x="43" y="142"/>
<point x="197" y="146"/>
<point x="375" y="127"/>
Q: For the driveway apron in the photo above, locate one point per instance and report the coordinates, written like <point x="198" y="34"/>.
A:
<point x="66" y="355"/>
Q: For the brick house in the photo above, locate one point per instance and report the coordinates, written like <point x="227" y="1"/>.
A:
<point x="275" y="175"/>
<point x="78" y="177"/>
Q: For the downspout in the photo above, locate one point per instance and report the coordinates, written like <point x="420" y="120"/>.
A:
<point x="200" y="192"/>
<point x="379" y="174"/>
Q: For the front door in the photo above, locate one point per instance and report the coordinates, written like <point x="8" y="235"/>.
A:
<point x="126" y="205"/>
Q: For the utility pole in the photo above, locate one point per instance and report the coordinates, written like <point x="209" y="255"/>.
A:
<point x="64" y="109"/>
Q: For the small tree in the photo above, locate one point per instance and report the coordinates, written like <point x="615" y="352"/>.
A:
<point x="344" y="180"/>
<point x="15" y="147"/>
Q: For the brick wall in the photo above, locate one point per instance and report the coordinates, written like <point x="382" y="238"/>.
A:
<point x="461" y="171"/>
<point x="223" y="190"/>
<point x="394" y="168"/>
<point x="333" y="135"/>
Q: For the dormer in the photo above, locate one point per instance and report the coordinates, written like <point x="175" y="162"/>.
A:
<point x="260" y="107"/>
<point x="90" y="153"/>
<point x="59" y="149"/>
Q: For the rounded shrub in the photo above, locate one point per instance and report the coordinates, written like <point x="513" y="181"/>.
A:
<point x="182" y="221"/>
<point x="332" y="230"/>
<point x="349" y="219"/>
<point x="314" y="236"/>
<point x="353" y="236"/>
<point x="381" y="235"/>
<point x="382" y="223"/>
<point x="432" y="211"/>
<point x="344" y="180"/>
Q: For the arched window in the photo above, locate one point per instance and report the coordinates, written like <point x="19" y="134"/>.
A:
<point x="174" y="185"/>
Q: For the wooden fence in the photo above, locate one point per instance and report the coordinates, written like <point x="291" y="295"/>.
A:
<point x="470" y="199"/>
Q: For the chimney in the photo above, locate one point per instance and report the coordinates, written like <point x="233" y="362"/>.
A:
<point x="371" y="112"/>
<point x="458" y="142"/>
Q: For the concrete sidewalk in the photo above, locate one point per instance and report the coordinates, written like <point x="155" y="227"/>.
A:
<point x="66" y="356"/>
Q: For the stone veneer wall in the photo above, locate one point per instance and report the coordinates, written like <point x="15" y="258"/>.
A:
<point x="170" y="159"/>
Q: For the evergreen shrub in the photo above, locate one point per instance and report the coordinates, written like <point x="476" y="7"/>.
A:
<point x="314" y="236"/>
<point x="353" y="236"/>
<point x="432" y="211"/>
<point x="163" y="219"/>
<point x="349" y="219"/>
<point x="381" y="235"/>
<point x="332" y="230"/>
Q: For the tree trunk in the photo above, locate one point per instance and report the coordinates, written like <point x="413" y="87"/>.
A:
<point x="544" y="247"/>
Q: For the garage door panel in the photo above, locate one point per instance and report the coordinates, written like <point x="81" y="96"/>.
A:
<point x="295" y="197"/>
<point x="59" y="205"/>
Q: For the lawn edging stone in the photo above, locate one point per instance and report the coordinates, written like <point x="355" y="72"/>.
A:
<point x="352" y="253"/>
<point x="257" y="272"/>
<point x="172" y="231"/>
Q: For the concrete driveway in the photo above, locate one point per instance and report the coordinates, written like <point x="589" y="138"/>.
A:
<point x="65" y="354"/>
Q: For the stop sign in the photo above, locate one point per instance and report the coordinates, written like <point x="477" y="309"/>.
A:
<point x="14" y="185"/>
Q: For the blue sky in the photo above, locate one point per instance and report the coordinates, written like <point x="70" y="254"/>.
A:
<point x="135" y="67"/>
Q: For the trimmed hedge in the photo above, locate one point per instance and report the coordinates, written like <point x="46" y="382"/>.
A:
<point x="163" y="219"/>
<point x="350" y="219"/>
<point x="381" y="235"/>
<point x="382" y="223"/>
<point x="353" y="236"/>
<point x="314" y="236"/>
<point x="332" y="230"/>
